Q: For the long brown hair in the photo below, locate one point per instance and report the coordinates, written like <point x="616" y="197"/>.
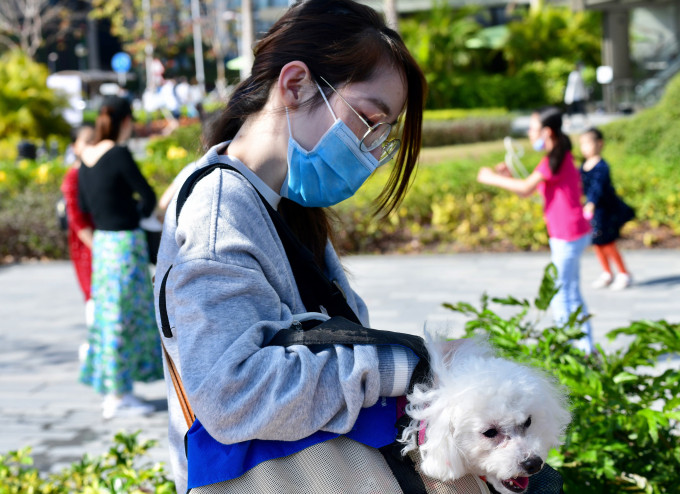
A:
<point x="344" y="42"/>
<point x="112" y="113"/>
<point x="551" y="117"/>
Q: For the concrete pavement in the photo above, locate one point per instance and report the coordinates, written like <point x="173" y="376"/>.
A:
<point x="42" y="314"/>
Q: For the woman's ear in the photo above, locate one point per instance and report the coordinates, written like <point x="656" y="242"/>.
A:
<point x="294" y="84"/>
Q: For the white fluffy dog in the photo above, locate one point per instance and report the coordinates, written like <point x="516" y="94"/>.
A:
<point x="483" y="415"/>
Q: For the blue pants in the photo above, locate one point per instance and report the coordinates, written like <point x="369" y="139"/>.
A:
<point x="566" y="255"/>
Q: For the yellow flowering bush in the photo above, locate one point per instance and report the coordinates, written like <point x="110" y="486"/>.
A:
<point x="176" y="153"/>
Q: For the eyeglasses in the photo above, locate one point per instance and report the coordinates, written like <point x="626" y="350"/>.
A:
<point x="375" y="136"/>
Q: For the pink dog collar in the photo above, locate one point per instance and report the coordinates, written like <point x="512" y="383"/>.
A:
<point x="421" y="433"/>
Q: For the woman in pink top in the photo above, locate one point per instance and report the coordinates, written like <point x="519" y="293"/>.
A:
<point x="559" y="182"/>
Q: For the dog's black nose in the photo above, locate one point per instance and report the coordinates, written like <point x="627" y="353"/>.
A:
<point x="532" y="465"/>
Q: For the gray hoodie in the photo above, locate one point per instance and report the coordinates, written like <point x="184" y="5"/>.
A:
<point x="230" y="290"/>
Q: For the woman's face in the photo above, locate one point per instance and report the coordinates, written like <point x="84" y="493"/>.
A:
<point x="535" y="131"/>
<point x="379" y="99"/>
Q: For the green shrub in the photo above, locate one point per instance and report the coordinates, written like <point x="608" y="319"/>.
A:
<point x="28" y="108"/>
<point x="463" y="113"/>
<point x="122" y="470"/>
<point x="623" y="435"/>
<point x="186" y="137"/>
<point x="445" y="207"/>
<point x="28" y="225"/>
<point x="478" y="90"/>
<point x="652" y="132"/>
<point x="466" y="130"/>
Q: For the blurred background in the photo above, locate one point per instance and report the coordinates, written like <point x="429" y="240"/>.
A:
<point x="488" y="63"/>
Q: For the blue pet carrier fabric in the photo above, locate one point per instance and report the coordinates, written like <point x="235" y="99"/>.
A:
<point x="375" y="427"/>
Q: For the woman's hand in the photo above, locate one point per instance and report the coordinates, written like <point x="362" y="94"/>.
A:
<point x="502" y="169"/>
<point x="86" y="236"/>
<point x="485" y="175"/>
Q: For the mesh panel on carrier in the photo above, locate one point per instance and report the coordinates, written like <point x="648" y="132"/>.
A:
<point x="341" y="466"/>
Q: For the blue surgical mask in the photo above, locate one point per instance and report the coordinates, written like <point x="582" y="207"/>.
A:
<point x="331" y="172"/>
<point x="539" y="144"/>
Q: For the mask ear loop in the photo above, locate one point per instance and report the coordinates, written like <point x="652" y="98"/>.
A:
<point x="330" y="108"/>
<point x="290" y="130"/>
<point x="326" y="100"/>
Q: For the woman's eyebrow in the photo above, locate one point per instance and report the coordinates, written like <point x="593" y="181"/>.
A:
<point x="383" y="107"/>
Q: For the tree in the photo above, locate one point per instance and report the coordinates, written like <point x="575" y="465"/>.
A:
<point x="28" y="108"/>
<point x="391" y="14"/>
<point x="437" y="38"/>
<point x="553" y="32"/>
<point x="171" y="27"/>
<point x="23" y="23"/>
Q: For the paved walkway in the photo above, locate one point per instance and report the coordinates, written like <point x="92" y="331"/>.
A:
<point x="41" y="326"/>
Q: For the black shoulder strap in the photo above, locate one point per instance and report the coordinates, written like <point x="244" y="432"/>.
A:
<point x="318" y="293"/>
<point x="189" y="184"/>
<point x="339" y="331"/>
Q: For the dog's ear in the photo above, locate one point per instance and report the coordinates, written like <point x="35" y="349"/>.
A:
<point x="447" y="350"/>
<point x="441" y="455"/>
<point x="442" y="351"/>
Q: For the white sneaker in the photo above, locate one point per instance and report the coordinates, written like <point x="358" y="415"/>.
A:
<point x="621" y="282"/>
<point x="82" y="352"/>
<point x="126" y="406"/>
<point x="602" y="281"/>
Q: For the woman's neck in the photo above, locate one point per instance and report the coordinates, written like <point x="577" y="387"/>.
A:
<point x="91" y="154"/>
<point x="262" y="145"/>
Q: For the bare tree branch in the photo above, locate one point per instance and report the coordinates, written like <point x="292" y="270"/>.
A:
<point x="22" y="23"/>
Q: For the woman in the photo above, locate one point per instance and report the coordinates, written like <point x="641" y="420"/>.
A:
<point x="123" y="344"/>
<point x="304" y="131"/>
<point x="558" y="181"/>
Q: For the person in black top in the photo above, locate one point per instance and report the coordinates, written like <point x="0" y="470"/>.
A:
<point x="123" y="340"/>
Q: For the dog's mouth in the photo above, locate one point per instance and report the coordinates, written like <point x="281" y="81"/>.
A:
<point x="516" y="484"/>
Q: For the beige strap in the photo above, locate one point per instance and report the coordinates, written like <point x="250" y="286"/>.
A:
<point x="189" y="416"/>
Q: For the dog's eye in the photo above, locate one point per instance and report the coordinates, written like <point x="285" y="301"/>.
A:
<point x="491" y="433"/>
<point x="527" y="423"/>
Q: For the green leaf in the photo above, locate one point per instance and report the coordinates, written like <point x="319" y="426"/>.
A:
<point x="510" y="300"/>
<point x="624" y="377"/>
<point x="548" y="288"/>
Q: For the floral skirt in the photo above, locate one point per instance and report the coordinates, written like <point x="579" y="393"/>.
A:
<point x="124" y="345"/>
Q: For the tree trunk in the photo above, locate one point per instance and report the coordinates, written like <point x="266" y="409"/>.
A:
<point x="391" y="14"/>
<point x="247" y="37"/>
<point x="219" y="43"/>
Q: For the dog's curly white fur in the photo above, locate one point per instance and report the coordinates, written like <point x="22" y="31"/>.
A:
<point x="484" y="415"/>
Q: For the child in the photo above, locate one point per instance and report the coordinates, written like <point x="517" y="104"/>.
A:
<point x="557" y="179"/>
<point x="605" y="210"/>
<point x="80" y="226"/>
